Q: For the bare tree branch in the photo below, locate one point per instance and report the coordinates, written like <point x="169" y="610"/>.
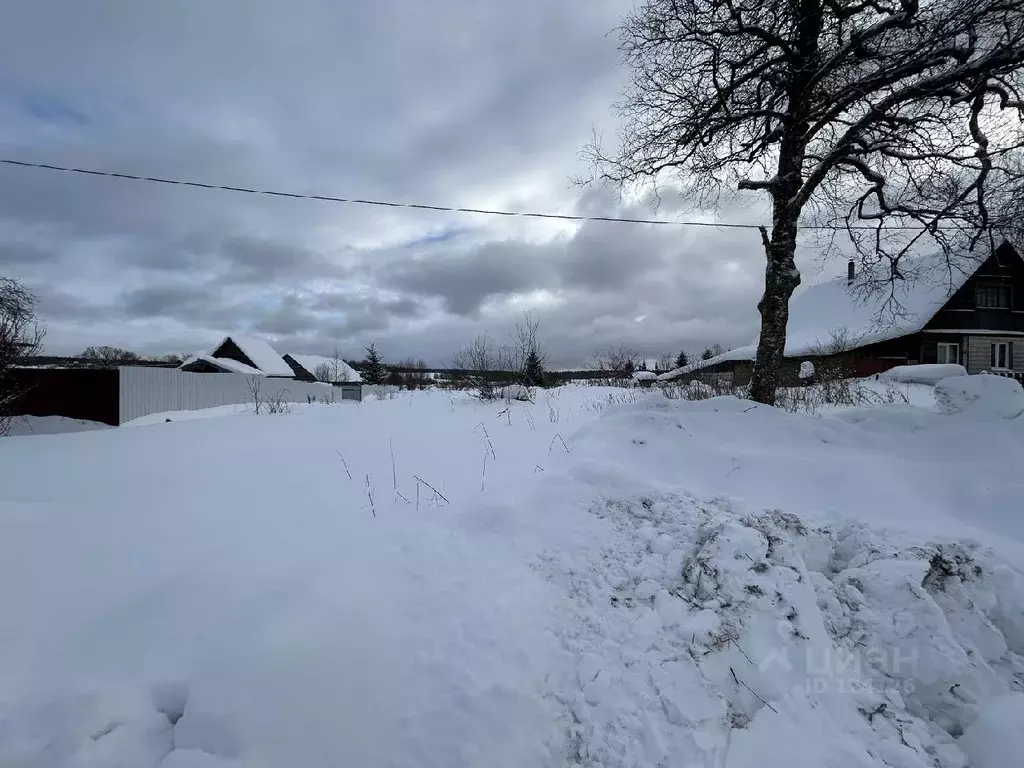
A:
<point x="21" y="336"/>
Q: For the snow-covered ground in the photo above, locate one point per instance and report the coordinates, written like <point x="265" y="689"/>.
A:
<point x="50" y="425"/>
<point x="599" y="578"/>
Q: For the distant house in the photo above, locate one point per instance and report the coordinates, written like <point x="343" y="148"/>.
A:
<point x="240" y="354"/>
<point x="305" y="367"/>
<point x="972" y="316"/>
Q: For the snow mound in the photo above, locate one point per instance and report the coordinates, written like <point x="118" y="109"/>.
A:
<point x="516" y="392"/>
<point x="996" y="739"/>
<point x="983" y="397"/>
<point x="51" y="425"/>
<point x="930" y="374"/>
<point x="709" y="636"/>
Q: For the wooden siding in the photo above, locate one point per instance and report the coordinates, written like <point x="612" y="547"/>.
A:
<point x="979" y="352"/>
<point x="960" y="313"/>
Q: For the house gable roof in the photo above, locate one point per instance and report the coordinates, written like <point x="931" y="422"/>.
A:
<point x="260" y="354"/>
<point x="862" y="317"/>
<point x="225" y="364"/>
<point x="310" y="363"/>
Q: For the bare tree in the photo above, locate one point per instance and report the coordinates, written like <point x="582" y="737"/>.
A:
<point x="477" y="362"/>
<point x="529" y="356"/>
<point x="411" y="374"/>
<point x="254" y="388"/>
<point x="104" y="355"/>
<point x="324" y="373"/>
<point x="868" y="114"/>
<point x="618" y="362"/>
<point x="339" y="368"/>
<point x="21" y="336"/>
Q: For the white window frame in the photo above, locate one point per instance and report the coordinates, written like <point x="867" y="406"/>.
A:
<point x="947" y="346"/>
<point x="995" y="356"/>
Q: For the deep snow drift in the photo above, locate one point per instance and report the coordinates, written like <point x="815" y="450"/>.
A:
<point x="575" y="581"/>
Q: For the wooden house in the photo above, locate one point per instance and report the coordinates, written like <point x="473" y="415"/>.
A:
<point x="970" y="313"/>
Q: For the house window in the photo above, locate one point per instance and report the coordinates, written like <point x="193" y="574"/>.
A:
<point x="992" y="296"/>
<point x="949" y="353"/>
<point x="1001" y="351"/>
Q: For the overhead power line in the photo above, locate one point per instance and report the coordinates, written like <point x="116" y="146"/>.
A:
<point x="412" y="206"/>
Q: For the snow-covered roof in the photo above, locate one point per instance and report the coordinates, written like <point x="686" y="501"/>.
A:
<point x="226" y="364"/>
<point x="859" y="316"/>
<point x="740" y="353"/>
<point x="345" y="372"/>
<point x="645" y="375"/>
<point x="261" y="354"/>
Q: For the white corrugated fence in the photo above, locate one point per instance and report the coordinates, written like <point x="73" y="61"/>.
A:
<point x="143" y="391"/>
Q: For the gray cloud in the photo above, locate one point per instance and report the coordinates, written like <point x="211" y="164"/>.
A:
<point x="435" y="102"/>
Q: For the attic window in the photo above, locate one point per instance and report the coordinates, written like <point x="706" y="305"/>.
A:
<point x="992" y="296"/>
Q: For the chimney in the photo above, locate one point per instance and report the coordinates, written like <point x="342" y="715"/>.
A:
<point x="849" y="272"/>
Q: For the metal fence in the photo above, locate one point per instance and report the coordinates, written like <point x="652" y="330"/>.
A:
<point x="142" y="391"/>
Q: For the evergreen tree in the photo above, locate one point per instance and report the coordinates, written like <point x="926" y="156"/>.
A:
<point x="533" y="370"/>
<point x="374" y="372"/>
<point x="682" y="360"/>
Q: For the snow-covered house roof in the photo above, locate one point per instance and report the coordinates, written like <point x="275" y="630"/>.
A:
<point x="645" y="375"/>
<point x="259" y="353"/>
<point x="857" y="316"/>
<point x="225" y="364"/>
<point x="340" y="370"/>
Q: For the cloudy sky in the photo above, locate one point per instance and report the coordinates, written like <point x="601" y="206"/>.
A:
<point x="482" y="103"/>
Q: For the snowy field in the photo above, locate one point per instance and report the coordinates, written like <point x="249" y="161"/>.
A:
<point x="581" y="581"/>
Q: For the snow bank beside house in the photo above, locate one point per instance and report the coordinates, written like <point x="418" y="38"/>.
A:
<point x="982" y="397"/>
<point x="930" y="374"/>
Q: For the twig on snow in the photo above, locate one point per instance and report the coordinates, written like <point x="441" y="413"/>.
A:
<point x="487" y="440"/>
<point x="439" y="494"/>
<point x="552" y="443"/>
<point x="394" y="472"/>
<point x="744" y="653"/>
<point x="529" y="420"/>
<point x="369" y="495"/>
<point x="740" y="682"/>
<point x="344" y="463"/>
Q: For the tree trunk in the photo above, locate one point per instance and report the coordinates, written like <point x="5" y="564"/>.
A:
<point x="780" y="280"/>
